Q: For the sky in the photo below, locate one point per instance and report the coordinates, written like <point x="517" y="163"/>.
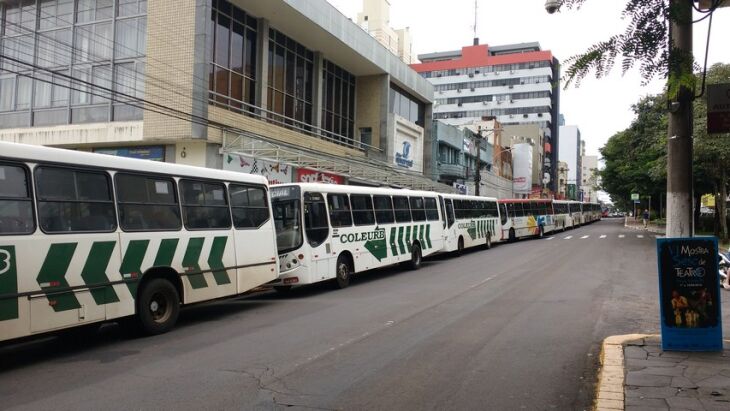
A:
<point x="599" y="107"/>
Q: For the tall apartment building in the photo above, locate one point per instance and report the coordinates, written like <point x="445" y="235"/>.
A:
<point x="571" y="152"/>
<point x="375" y="19"/>
<point x="589" y="178"/>
<point x="285" y="87"/>
<point x="517" y="83"/>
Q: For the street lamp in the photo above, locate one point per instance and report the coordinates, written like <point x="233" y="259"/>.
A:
<point x="481" y="133"/>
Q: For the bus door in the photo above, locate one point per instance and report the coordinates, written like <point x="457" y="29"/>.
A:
<point x="317" y="231"/>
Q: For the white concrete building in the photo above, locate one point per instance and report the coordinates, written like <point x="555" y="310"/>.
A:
<point x="375" y="19"/>
<point x="570" y="153"/>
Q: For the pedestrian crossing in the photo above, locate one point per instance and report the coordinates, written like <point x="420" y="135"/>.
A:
<point x="602" y="236"/>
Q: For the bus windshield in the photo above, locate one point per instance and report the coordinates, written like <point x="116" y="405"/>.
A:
<point x="286" y="206"/>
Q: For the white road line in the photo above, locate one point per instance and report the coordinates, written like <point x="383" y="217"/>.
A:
<point x="585" y="236"/>
<point x="549" y="238"/>
<point x="639" y="235"/>
<point x="568" y="237"/>
<point x="603" y="236"/>
<point x="621" y="236"/>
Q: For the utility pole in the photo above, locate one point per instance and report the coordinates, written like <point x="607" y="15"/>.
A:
<point x="679" y="142"/>
<point x="478" y="175"/>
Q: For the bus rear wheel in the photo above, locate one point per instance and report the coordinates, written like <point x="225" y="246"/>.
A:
<point x="488" y="244"/>
<point x="416" y="257"/>
<point x="342" y="272"/>
<point x="158" y="307"/>
<point x="512" y="236"/>
<point x="460" y="246"/>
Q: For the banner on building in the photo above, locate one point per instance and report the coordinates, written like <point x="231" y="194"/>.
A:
<point x="305" y="175"/>
<point x="461" y="188"/>
<point x="689" y="294"/>
<point x="276" y="173"/>
<point x="154" y="153"/>
<point x="522" y="168"/>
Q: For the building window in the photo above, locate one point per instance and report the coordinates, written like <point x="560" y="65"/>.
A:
<point x="232" y="73"/>
<point x="402" y="104"/>
<point x="338" y="110"/>
<point x="101" y="42"/>
<point x="290" y="81"/>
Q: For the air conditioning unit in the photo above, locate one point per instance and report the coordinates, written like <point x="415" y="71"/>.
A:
<point x="496" y="73"/>
<point x="499" y="101"/>
<point x="471" y="89"/>
<point x="524" y="116"/>
<point x="511" y="116"/>
<point x="511" y="86"/>
<point x="511" y="101"/>
<point x="471" y="75"/>
<point x="539" y="114"/>
<point x="458" y="90"/>
<point x="438" y="75"/>
<point x="485" y="102"/>
<point x="476" y="71"/>
<point x="459" y="104"/>
<point x="511" y="72"/>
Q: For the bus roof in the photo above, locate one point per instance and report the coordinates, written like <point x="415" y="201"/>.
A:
<point x="337" y="188"/>
<point x="29" y="153"/>
<point x="525" y="200"/>
<point x="467" y="197"/>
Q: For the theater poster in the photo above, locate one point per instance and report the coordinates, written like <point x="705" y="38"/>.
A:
<point x="689" y="294"/>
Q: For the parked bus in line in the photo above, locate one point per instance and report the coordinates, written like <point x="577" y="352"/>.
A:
<point x="591" y="212"/>
<point x="522" y="218"/>
<point x="87" y="238"/>
<point x="331" y="232"/>
<point x="470" y="221"/>
<point x="562" y="215"/>
<point x="576" y="213"/>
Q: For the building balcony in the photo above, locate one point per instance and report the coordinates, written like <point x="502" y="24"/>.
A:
<point x="452" y="170"/>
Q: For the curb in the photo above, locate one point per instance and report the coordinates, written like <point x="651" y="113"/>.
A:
<point x="610" y="387"/>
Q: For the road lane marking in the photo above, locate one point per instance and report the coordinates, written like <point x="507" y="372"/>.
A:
<point x="568" y="237"/>
<point x="603" y="236"/>
<point x="549" y="238"/>
<point x="621" y="236"/>
<point x="639" y="235"/>
<point x="585" y="236"/>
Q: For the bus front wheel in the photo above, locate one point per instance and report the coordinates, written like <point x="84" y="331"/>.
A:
<point x="343" y="271"/>
<point x="416" y="257"/>
<point x="158" y="307"/>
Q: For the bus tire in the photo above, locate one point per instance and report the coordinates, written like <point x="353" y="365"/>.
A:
<point x="460" y="246"/>
<point x="488" y="245"/>
<point x="158" y="306"/>
<point x="416" y="257"/>
<point x="343" y="272"/>
<point x="512" y="237"/>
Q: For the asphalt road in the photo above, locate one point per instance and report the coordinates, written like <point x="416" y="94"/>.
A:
<point x="515" y="327"/>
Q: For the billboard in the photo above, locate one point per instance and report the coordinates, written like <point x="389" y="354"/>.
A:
<point x="276" y="173"/>
<point x="154" y="153"/>
<point x="305" y="175"/>
<point x="522" y="168"/>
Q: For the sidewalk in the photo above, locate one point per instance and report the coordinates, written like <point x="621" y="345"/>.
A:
<point x="629" y="222"/>
<point x="637" y="375"/>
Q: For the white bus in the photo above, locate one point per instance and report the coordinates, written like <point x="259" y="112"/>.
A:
<point x="86" y="238"/>
<point x="591" y="212"/>
<point x="525" y="218"/>
<point x="563" y="217"/>
<point x="470" y="221"/>
<point x="327" y="231"/>
<point x="576" y="213"/>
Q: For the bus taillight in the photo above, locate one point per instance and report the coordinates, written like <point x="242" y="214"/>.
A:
<point x="291" y="280"/>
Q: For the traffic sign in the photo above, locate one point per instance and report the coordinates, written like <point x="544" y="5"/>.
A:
<point x="634" y="196"/>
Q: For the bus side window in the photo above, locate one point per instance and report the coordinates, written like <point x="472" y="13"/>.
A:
<point x="248" y="206"/>
<point x="16" y="209"/>
<point x="204" y="205"/>
<point x="402" y="210"/>
<point x="450" y="212"/>
<point x="147" y="203"/>
<point x="72" y="200"/>
<point x="503" y="213"/>
<point x="315" y="219"/>
<point x="417" y="210"/>
<point x="432" y="212"/>
<point x="383" y="209"/>
<point x="362" y="209"/>
<point x="340" y="215"/>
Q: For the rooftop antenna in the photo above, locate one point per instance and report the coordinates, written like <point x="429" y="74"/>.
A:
<point x="476" y="39"/>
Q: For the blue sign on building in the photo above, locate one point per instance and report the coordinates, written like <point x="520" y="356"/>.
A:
<point x="154" y="153"/>
<point x="689" y="294"/>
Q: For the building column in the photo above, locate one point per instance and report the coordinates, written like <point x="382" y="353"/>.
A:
<point x="201" y="61"/>
<point x="429" y="157"/>
<point x="317" y="89"/>
<point x="262" y="63"/>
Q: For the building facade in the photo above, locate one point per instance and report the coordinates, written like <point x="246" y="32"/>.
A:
<point x="517" y="84"/>
<point x="375" y="19"/>
<point x="589" y="178"/>
<point x="562" y="180"/>
<point x="214" y="83"/>
<point x="534" y="136"/>
<point x="571" y="147"/>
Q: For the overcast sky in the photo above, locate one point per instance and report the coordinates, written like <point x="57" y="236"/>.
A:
<point x="599" y="107"/>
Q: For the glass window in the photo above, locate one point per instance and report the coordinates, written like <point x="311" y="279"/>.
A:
<point x="315" y="219"/>
<point x="7" y="93"/>
<point x="402" y="210"/>
<point x="338" y="86"/>
<point x="290" y="79"/>
<point x="287" y="223"/>
<point x="204" y="205"/>
<point x="339" y="205"/>
<point x="147" y="203"/>
<point x="16" y="206"/>
<point x="450" y="212"/>
<point x="71" y="200"/>
<point x="362" y="209"/>
<point x="432" y="212"/>
<point x="383" y="209"/>
<point x="249" y="206"/>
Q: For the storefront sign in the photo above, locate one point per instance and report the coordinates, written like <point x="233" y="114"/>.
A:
<point x="154" y="153"/>
<point x="689" y="294"/>
<point x="276" y="173"/>
<point x="305" y="175"/>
